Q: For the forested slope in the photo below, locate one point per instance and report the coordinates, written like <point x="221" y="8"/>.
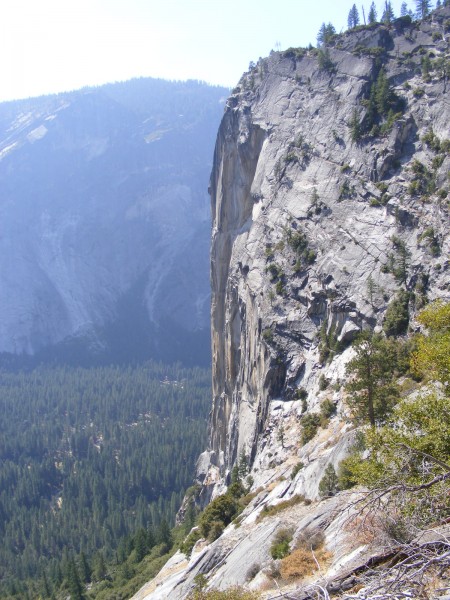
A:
<point x="87" y="458"/>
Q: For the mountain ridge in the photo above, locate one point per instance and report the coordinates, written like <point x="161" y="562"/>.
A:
<point x="126" y="203"/>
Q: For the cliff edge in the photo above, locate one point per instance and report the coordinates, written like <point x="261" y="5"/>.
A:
<point x="330" y="208"/>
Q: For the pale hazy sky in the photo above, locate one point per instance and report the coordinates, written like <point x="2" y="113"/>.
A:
<point x="50" y="46"/>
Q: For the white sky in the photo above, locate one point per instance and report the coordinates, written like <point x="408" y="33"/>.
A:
<point x="49" y="46"/>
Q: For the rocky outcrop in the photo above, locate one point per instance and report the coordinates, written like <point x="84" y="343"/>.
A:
<point x="304" y="218"/>
<point x="318" y="222"/>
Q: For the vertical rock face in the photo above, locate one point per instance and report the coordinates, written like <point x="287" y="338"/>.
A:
<point x="330" y="205"/>
<point x="311" y="217"/>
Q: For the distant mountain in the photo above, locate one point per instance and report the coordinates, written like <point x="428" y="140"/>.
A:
<point x="105" y="222"/>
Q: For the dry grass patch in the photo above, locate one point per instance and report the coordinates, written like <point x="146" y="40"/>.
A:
<point x="276" y="508"/>
<point x="302" y="563"/>
<point x="308" y="557"/>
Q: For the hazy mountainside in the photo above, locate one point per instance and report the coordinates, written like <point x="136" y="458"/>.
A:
<point x="105" y="221"/>
<point x="330" y="216"/>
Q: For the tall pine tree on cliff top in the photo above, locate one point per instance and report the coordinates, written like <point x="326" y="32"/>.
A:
<point x="423" y="8"/>
<point x="353" y="17"/>
<point x="388" y="13"/>
<point x="372" y="18"/>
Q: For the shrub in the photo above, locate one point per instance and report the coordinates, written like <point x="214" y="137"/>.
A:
<point x="310" y="425"/>
<point x="310" y="539"/>
<point x="298" y="467"/>
<point x="280" y="544"/>
<point x="234" y="593"/>
<point x="188" y="544"/>
<point x="423" y="180"/>
<point x="221" y="510"/>
<point x="215" y="530"/>
<point x="301" y="393"/>
<point x="327" y="408"/>
<point x="396" y="319"/>
<point x="346" y="472"/>
<point x="253" y="571"/>
<point x="267" y="335"/>
<point x="323" y="383"/>
<point x="325" y="62"/>
<point x="430" y="237"/>
<point x="431" y="140"/>
<point x="302" y="563"/>
<point x="329" y="484"/>
<point x="275" y="271"/>
<point x="276" y="508"/>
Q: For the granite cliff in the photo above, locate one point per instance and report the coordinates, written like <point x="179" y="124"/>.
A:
<point x="328" y="210"/>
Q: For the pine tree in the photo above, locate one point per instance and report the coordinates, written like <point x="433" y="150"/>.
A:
<point x="423" y="8"/>
<point x="388" y="13"/>
<point x="426" y="67"/>
<point x="280" y="434"/>
<point x="353" y="17"/>
<point x="99" y="567"/>
<point x="321" y="36"/>
<point x="326" y="33"/>
<point x="372" y="18"/>
<point x="189" y="516"/>
<point x="372" y="392"/>
<point x="329" y="484"/>
<point x="73" y="582"/>
<point x="355" y="126"/>
<point x="243" y="464"/>
<point x="140" y="544"/>
<point x="85" y="569"/>
<point x="382" y="93"/>
<point x="404" y="9"/>
<point x="164" y="535"/>
<point x="371" y="288"/>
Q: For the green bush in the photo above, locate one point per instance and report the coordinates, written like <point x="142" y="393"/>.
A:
<point x="327" y="408"/>
<point x="188" y="544"/>
<point x="301" y="393"/>
<point x="396" y="319"/>
<point x="310" y="425"/>
<point x="323" y="383"/>
<point x="298" y="467"/>
<point x="279" y="288"/>
<point x="267" y="335"/>
<point x="280" y="543"/>
<point x="329" y="484"/>
<point x="346" y="472"/>
<point x="221" y="510"/>
<point x="325" y="62"/>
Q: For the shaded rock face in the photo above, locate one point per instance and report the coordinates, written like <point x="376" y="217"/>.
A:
<point x="307" y="220"/>
<point x="106" y="222"/>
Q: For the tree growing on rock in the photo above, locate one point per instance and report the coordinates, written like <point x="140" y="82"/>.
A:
<point x="329" y="484"/>
<point x="372" y="390"/>
<point x="388" y="13"/>
<point x="432" y="358"/>
<point x="325" y="35"/>
<point x="423" y="8"/>
<point x="404" y="11"/>
<point x="353" y="17"/>
<point x="372" y="17"/>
